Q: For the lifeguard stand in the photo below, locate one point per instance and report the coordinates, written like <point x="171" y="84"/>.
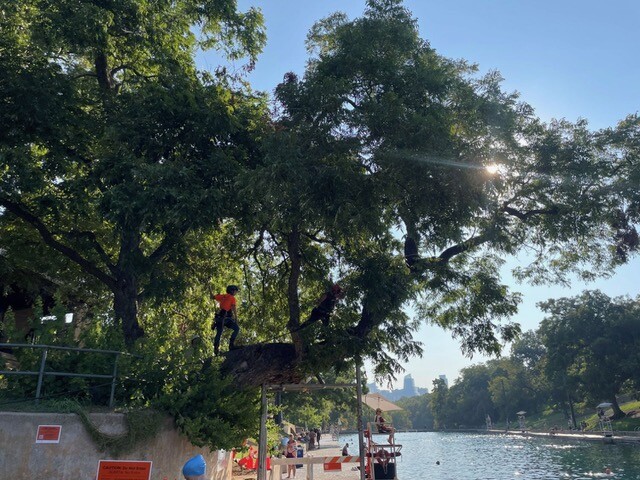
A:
<point x="381" y="457"/>
<point x="604" y="421"/>
<point x="522" y="421"/>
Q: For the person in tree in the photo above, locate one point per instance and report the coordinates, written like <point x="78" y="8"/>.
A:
<point x="226" y="317"/>
<point x="325" y="306"/>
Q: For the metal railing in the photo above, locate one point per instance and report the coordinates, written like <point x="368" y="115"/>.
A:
<point x="41" y="373"/>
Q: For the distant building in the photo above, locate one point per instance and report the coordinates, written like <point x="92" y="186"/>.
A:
<point x="444" y="379"/>
<point x="409" y="389"/>
<point x="409" y="386"/>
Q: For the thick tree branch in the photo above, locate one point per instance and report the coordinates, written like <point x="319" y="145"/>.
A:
<point x="524" y="216"/>
<point x="293" y="248"/>
<point x="465" y="246"/>
<point x="91" y="237"/>
<point x="48" y="238"/>
<point x="365" y="325"/>
<point x="411" y="246"/>
<point x="165" y="246"/>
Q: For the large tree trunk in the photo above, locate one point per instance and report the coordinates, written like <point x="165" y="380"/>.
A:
<point x="293" y="249"/>
<point x="125" y="306"/>
<point x="617" y="411"/>
<point x="125" y="292"/>
<point x="269" y="363"/>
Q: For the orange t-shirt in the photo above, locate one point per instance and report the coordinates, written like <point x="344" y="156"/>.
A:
<point x="226" y="301"/>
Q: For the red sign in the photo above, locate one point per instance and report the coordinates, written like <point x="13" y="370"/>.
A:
<point x="123" y="470"/>
<point x="48" y="434"/>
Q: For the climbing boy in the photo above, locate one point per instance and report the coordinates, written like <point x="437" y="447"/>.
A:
<point x="325" y="306"/>
<point x="226" y="317"/>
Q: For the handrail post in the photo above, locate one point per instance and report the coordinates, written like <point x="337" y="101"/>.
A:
<point x="41" y="374"/>
<point x="113" y="380"/>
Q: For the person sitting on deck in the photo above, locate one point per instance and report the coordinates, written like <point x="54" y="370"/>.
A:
<point x="382" y="426"/>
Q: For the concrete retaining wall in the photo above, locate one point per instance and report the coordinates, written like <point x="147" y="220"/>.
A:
<point x="76" y="457"/>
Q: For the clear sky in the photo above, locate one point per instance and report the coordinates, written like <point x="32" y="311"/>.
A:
<point x="567" y="58"/>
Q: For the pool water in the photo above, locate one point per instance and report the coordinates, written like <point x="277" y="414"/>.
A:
<point x="466" y="456"/>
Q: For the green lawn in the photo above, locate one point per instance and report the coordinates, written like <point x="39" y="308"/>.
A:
<point x="548" y="419"/>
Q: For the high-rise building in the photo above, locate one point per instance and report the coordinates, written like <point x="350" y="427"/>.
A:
<point x="409" y="389"/>
<point x="444" y="379"/>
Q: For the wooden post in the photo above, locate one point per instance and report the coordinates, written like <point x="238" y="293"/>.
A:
<point x="359" y="413"/>
<point x="262" y="440"/>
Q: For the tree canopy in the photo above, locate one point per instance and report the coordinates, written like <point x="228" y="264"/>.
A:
<point x="113" y="145"/>
<point x="403" y="175"/>
<point x="592" y="344"/>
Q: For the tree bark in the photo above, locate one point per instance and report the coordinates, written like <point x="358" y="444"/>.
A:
<point x="126" y="291"/>
<point x="617" y="411"/>
<point x="293" y="249"/>
<point x="125" y="307"/>
<point x="269" y="363"/>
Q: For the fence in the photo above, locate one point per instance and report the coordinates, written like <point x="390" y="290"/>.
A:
<point x="41" y="373"/>
<point x="277" y="463"/>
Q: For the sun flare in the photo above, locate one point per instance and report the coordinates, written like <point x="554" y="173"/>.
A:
<point x="493" y="168"/>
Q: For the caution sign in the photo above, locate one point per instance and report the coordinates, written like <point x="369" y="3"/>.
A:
<point x="48" y="434"/>
<point x="123" y="470"/>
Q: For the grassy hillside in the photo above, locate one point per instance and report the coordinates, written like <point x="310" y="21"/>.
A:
<point x="548" y="419"/>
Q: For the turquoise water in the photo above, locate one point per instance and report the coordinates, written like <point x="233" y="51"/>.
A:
<point x="465" y="456"/>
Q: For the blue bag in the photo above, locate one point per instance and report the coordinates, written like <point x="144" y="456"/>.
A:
<point x="194" y="467"/>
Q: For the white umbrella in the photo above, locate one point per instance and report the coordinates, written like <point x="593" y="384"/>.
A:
<point x="604" y="405"/>
<point x="375" y="400"/>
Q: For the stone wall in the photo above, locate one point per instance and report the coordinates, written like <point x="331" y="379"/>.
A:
<point x="76" y="457"/>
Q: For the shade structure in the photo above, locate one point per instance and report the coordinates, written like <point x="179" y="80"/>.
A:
<point x="605" y="405"/>
<point x="375" y="400"/>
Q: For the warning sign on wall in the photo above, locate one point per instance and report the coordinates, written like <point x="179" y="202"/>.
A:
<point x="123" y="470"/>
<point x="48" y="434"/>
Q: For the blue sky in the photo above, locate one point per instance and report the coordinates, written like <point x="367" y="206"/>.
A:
<point x="567" y="58"/>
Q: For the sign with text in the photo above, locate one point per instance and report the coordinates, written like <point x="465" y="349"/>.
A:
<point x="123" y="470"/>
<point x="48" y="434"/>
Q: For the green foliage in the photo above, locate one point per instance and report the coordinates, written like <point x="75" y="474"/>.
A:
<point x="132" y="187"/>
<point x="592" y="343"/>
<point x="438" y="403"/>
<point x="115" y="146"/>
<point x="212" y="411"/>
<point x="417" y="413"/>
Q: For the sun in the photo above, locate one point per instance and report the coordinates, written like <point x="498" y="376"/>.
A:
<point x="492" y="168"/>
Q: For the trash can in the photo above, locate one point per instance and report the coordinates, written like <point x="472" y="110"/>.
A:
<point x="300" y="454"/>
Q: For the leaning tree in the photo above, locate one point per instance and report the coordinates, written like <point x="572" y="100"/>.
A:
<point x="409" y="178"/>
